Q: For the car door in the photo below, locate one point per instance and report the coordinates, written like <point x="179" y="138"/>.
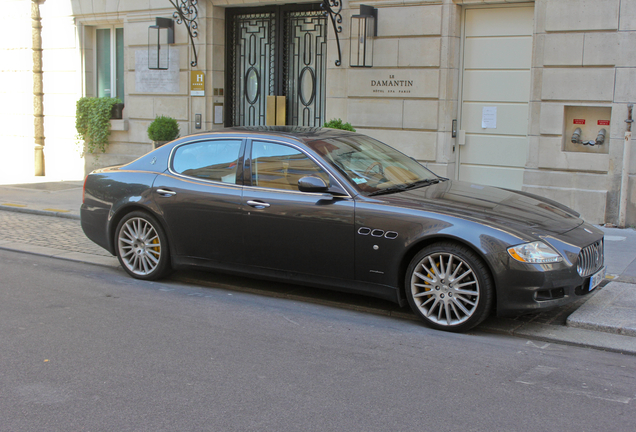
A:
<point x="200" y="199"/>
<point x="289" y="230"/>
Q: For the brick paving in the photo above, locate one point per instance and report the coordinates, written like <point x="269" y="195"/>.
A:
<point x="47" y="231"/>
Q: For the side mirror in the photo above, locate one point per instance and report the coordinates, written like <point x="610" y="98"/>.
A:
<point x="312" y="184"/>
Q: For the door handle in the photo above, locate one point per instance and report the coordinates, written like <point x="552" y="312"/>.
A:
<point x="258" y="204"/>
<point x="165" y="192"/>
<point x="461" y="137"/>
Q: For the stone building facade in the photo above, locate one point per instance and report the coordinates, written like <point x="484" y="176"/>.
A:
<point x="489" y="92"/>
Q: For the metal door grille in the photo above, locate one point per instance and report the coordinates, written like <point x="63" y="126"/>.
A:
<point x="305" y="67"/>
<point x="281" y="51"/>
<point x="253" y="67"/>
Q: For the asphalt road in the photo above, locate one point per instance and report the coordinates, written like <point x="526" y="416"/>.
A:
<point x="86" y="348"/>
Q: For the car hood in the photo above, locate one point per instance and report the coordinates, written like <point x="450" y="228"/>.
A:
<point x="520" y="211"/>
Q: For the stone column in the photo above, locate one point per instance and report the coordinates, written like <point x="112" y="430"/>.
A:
<point x="38" y="93"/>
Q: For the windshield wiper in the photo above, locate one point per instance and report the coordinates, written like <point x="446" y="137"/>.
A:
<point x="403" y="187"/>
<point x="390" y="189"/>
<point x="421" y="183"/>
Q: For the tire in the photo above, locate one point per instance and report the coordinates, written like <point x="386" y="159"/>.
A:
<point x="142" y="246"/>
<point x="460" y="286"/>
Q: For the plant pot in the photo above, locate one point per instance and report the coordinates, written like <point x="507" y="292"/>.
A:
<point x="158" y="144"/>
<point x="117" y="112"/>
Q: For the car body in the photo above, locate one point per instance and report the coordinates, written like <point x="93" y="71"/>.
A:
<point x="339" y="210"/>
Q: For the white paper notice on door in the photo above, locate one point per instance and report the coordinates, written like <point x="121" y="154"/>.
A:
<point x="489" y="117"/>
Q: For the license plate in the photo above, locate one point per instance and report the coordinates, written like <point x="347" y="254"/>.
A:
<point x="596" y="278"/>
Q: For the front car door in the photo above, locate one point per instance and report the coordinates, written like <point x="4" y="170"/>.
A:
<point x="289" y="230"/>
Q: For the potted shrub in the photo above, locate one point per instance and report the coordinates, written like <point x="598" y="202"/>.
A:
<point x="92" y="122"/>
<point x="338" y="124"/>
<point x="117" y="112"/>
<point x="163" y="129"/>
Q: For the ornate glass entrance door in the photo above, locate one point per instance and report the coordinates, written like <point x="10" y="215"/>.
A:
<point x="276" y="51"/>
<point x="305" y="67"/>
<point x="252" y="67"/>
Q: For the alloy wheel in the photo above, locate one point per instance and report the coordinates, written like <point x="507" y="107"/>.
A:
<point x="445" y="289"/>
<point x="140" y="246"/>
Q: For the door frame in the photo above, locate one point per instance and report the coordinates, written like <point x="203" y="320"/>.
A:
<point x="279" y="12"/>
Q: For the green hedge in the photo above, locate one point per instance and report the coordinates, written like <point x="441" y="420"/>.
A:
<point x="92" y="121"/>
<point x="338" y="124"/>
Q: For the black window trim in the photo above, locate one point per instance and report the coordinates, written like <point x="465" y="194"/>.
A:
<point x="239" y="163"/>
<point x="247" y="168"/>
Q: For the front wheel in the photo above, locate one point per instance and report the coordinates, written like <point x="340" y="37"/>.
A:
<point x="142" y="246"/>
<point x="449" y="287"/>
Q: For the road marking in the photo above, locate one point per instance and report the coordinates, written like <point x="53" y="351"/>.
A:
<point x="592" y="395"/>
<point x="539" y="373"/>
<point x="291" y="321"/>
<point x="532" y="376"/>
<point x="534" y="345"/>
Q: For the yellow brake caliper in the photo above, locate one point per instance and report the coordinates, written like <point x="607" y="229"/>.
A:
<point x="430" y="275"/>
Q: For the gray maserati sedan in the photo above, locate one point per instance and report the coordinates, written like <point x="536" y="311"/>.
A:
<point x="340" y="210"/>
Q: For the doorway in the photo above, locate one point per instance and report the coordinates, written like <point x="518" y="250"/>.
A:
<point x="276" y="51"/>
<point x="496" y="78"/>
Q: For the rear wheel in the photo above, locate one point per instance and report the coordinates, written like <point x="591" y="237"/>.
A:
<point x="142" y="246"/>
<point x="449" y="287"/>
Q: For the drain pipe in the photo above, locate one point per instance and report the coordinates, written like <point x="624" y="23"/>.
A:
<point x="622" y="210"/>
<point x="38" y="91"/>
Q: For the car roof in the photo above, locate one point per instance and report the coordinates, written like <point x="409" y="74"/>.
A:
<point x="302" y="133"/>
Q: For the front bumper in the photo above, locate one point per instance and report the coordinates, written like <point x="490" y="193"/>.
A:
<point x="524" y="288"/>
<point x="540" y="292"/>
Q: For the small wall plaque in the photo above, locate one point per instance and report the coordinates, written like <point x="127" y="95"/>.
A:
<point x="197" y="83"/>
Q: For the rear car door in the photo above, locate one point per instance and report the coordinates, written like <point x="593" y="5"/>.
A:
<point x="289" y="230"/>
<point x="200" y="199"/>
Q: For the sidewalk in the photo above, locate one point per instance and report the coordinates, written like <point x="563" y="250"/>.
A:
<point x="604" y="320"/>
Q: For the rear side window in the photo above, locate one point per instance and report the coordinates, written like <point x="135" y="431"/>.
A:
<point x="208" y="160"/>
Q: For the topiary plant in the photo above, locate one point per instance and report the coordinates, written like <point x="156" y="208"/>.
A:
<point x="338" y="124"/>
<point x="163" y="128"/>
<point x="92" y="121"/>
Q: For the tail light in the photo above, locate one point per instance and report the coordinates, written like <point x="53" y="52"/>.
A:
<point x="84" y="190"/>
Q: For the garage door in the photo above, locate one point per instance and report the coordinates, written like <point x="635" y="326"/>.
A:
<point x="495" y="94"/>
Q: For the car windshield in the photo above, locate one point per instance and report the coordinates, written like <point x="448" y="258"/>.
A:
<point x="371" y="166"/>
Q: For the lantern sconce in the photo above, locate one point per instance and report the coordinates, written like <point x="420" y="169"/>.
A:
<point x="160" y="36"/>
<point x="364" y="28"/>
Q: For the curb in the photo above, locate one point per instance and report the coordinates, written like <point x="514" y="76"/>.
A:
<point x="562" y="334"/>
<point x="39" y="212"/>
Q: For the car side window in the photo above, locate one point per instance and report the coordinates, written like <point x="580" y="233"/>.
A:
<point x="279" y="166"/>
<point x="208" y="160"/>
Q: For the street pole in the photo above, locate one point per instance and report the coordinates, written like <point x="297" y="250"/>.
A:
<point x="622" y="211"/>
<point x="38" y="90"/>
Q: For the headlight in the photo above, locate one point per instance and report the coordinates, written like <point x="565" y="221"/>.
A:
<point x="534" y="253"/>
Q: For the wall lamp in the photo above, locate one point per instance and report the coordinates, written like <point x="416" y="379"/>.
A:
<point x="364" y="28"/>
<point x="160" y="36"/>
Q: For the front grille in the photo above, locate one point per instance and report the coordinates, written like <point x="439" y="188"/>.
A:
<point x="590" y="259"/>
